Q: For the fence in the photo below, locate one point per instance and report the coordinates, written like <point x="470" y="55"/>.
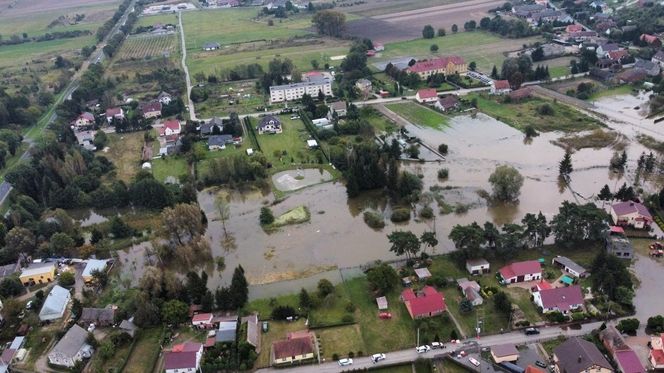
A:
<point x="252" y="133"/>
<point x="309" y="125"/>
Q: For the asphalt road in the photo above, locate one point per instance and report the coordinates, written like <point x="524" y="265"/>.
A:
<point x="97" y="56"/>
<point x="190" y="102"/>
<point x="409" y="355"/>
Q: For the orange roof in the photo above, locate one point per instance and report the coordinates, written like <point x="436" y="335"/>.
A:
<point x="427" y="93"/>
<point x="532" y="369"/>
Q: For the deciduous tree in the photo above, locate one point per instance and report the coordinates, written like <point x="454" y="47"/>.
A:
<point x="506" y="182"/>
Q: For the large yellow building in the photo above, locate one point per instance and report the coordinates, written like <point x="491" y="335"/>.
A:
<point x="446" y="65"/>
<point x="38" y="273"/>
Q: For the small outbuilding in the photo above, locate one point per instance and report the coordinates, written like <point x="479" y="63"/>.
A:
<point x="477" y="266"/>
<point x="382" y="303"/>
<point x="569" y="266"/>
<point x="504" y="353"/>
<point x="422" y="273"/>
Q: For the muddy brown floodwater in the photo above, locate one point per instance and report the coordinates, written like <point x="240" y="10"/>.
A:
<point x="337" y="236"/>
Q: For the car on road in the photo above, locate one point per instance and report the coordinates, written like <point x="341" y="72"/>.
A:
<point x="28" y="305"/>
<point x="435" y="345"/>
<point x="474" y="361"/>
<point x="377" y="357"/>
<point x="423" y="349"/>
<point x="532" y="331"/>
<point x="345" y="362"/>
<point x="540" y="364"/>
<point x="385" y="315"/>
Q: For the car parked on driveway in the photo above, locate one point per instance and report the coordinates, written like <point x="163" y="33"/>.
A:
<point x="423" y="349"/>
<point x="345" y="362"/>
<point x="436" y="345"/>
<point x="540" y="364"/>
<point x="377" y="357"/>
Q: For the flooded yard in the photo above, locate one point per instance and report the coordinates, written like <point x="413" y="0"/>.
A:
<point x="288" y="181"/>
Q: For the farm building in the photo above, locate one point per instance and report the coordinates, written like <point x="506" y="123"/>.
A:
<point x="38" y="273"/>
<point x="500" y="87"/>
<point x="55" y="304"/>
<point x="569" y="266"/>
<point x="477" y="266"/>
<point x="211" y="46"/>
<point x="521" y="271"/>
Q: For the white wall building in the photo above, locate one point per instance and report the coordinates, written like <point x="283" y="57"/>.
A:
<point x="295" y="91"/>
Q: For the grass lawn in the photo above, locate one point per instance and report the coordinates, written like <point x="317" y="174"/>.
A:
<point x="125" y="153"/>
<point x="264" y="306"/>
<point x="292" y="141"/>
<point x="550" y="345"/>
<point x="36" y="342"/>
<point x="419" y="115"/>
<point x="484" y="48"/>
<point x="175" y="166"/>
<point x="340" y="340"/>
<point x="493" y="321"/>
<point x="596" y="139"/>
<point x="19" y="54"/>
<point x="519" y="115"/>
<point x="215" y="105"/>
<point x="624" y="89"/>
<point x="114" y="363"/>
<point x="146" y="350"/>
<point x="558" y="71"/>
<point x="377" y="120"/>
<point x="278" y="330"/>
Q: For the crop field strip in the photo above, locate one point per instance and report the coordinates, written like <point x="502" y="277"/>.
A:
<point x="146" y="46"/>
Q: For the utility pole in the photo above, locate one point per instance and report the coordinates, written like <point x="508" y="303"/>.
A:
<point x="418" y="337"/>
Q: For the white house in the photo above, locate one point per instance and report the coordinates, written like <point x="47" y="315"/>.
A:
<point x="632" y="214"/>
<point x="477" y="266"/>
<point x="564" y="299"/>
<point x="500" y="87"/>
<point x="84" y="120"/>
<point x="295" y="91"/>
<point x="269" y="124"/>
<point x="202" y="320"/>
<point x="114" y="113"/>
<point x="71" y="349"/>
<point x="426" y="95"/>
<point x="171" y="127"/>
<point x="184" y="358"/>
<point x="55" y="304"/>
<point x="528" y="270"/>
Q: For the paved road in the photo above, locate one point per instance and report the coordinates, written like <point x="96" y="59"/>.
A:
<point x="190" y="102"/>
<point x="409" y="355"/>
<point x="95" y="57"/>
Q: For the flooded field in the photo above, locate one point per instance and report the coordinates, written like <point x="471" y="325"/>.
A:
<point x="337" y="236"/>
<point x="287" y="181"/>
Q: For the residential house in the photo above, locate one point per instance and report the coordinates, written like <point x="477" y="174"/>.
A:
<point x="632" y="76"/>
<point x="422" y="273"/>
<point x="622" y="354"/>
<point x="253" y="331"/>
<point x="619" y="56"/>
<point x="150" y="109"/>
<point x="448" y="103"/>
<point x="651" y="40"/>
<point x="575" y="27"/>
<point x="214" y="125"/>
<point x="338" y="109"/>
<point x="378" y="47"/>
<point x="470" y="290"/>
<point x="651" y="68"/>
<point x="219" y="142"/>
<point x="550" y="15"/>
<point x="569" y="266"/>
<point x="612" y="339"/>
<point x="632" y="214"/>
<point x="211" y="46"/>
<point x="269" y="124"/>
<point x="658" y="58"/>
<point x="382" y="303"/>
<point x="617" y="244"/>
<point x="527" y="10"/>
<point x="227" y="331"/>
<point x="170" y="127"/>
<point x="128" y="327"/>
<point x="477" y="266"/>
<point x="605" y="48"/>
<point x="577" y="355"/>
<point x="520" y="94"/>
<point x="656" y="355"/>
<point x="500" y="87"/>
<point x="72" y="348"/>
<point x="185" y="357"/>
<point x="86" y="139"/>
<point x="114" y="113"/>
<point x="564" y="299"/>
<point x="91" y="266"/>
<point x="364" y="86"/>
<point x="534" y="369"/>
<point x="628" y="361"/>
<point x="605" y="25"/>
<point x="97" y="316"/>
<point x="601" y="75"/>
<point x="295" y="91"/>
<point x="9" y="269"/>
<point x="292" y="350"/>
<point x="426" y="95"/>
<point x="529" y="270"/>
<point x="55" y="304"/>
<point x="504" y="353"/>
<point x="447" y="65"/>
<point x="164" y="98"/>
<point x="202" y="320"/>
<point x="37" y="273"/>
<point x="429" y="302"/>
<point x="85" y="119"/>
<point x="322" y="123"/>
<point x="581" y="36"/>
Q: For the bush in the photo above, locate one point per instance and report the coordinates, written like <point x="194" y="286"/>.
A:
<point x="266" y="216"/>
<point x="556" y="317"/>
<point x="545" y="109"/>
<point x="67" y="279"/>
<point x="426" y="213"/>
<point x="335" y="356"/>
<point x="628" y="326"/>
<point x="348" y="318"/>
<point x="442" y="149"/>
<point x="530" y="131"/>
<point x="374" y="219"/>
<point x="283" y="312"/>
<point x="443" y="173"/>
<point x="400" y="215"/>
<point x="460" y="208"/>
<point x="578" y="316"/>
<point x="656" y="324"/>
<point x="350" y="307"/>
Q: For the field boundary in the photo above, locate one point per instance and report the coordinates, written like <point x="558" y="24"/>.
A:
<point x="309" y="125"/>
<point x="252" y="133"/>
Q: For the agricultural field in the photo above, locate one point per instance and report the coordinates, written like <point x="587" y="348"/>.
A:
<point x="379" y="7"/>
<point x="419" y="115"/>
<point x="158" y="18"/>
<point x="484" y="48"/>
<point x="148" y="46"/>
<point x="224" y="98"/>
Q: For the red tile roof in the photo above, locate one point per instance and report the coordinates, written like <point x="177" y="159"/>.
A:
<point x="182" y="356"/>
<point x="617" y="229"/>
<point x="543" y="285"/>
<point x="532" y="369"/>
<point x="202" y="317"/>
<point x="562" y="298"/>
<point x="429" y="301"/>
<point x="87" y="116"/>
<point x="501" y="84"/>
<point x="292" y="347"/>
<point x="520" y="269"/>
<point x="436" y="64"/>
<point x="113" y="111"/>
<point x="427" y="93"/>
<point x="649" y="38"/>
<point x="574" y="28"/>
<point x="658" y="356"/>
<point x="617" y="55"/>
<point x="150" y="106"/>
<point x="172" y="124"/>
<point x="629" y="362"/>
<point x="186" y="347"/>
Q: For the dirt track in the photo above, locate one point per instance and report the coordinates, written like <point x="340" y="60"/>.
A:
<point x="408" y="25"/>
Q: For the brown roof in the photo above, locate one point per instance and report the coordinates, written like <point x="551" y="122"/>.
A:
<point x="151" y="106"/>
<point x="97" y="315"/>
<point x="292" y="347"/>
<point x="521" y="93"/>
<point x="577" y="355"/>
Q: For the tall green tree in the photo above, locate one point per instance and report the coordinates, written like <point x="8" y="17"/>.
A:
<point x="428" y="32"/>
<point x="329" y="22"/>
<point x="469" y="239"/>
<point x="575" y="223"/>
<point x="506" y="182"/>
<point x="565" y="167"/>
<point x="605" y="194"/>
<point x="383" y="278"/>
<point x="404" y="243"/>
<point x="239" y="289"/>
<point x="174" y="312"/>
<point x="429" y="239"/>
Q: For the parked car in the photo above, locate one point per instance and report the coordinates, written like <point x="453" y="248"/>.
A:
<point x="435" y="345"/>
<point x="540" y="364"/>
<point x="423" y="349"/>
<point x="377" y="357"/>
<point x="532" y="331"/>
<point x="474" y="361"/>
<point x="385" y="315"/>
<point x="28" y="305"/>
<point x="345" y="362"/>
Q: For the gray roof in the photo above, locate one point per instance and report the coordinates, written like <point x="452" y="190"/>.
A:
<point x="94" y="264"/>
<point x="128" y="326"/>
<point x="576" y="355"/>
<point x="569" y="263"/>
<point x="253" y="331"/>
<point x="302" y="84"/>
<point x="220" y="140"/>
<point x="211" y="45"/>
<point x="227" y="331"/>
<point x="615" y="243"/>
<point x="504" y="350"/>
<point x="72" y="342"/>
<point x="270" y="119"/>
<point x="97" y="315"/>
<point x="55" y="303"/>
<point x="8" y="269"/>
<point x="206" y="128"/>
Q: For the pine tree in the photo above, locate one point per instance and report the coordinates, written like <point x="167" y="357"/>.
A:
<point x="266" y="216"/>
<point x="239" y="290"/>
<point x="565" y="167"/>
<point x="207" y="301"/>
<point x="494" y="72"/>
<point x="605" y="194"/>
<point x="305" y="299"/>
